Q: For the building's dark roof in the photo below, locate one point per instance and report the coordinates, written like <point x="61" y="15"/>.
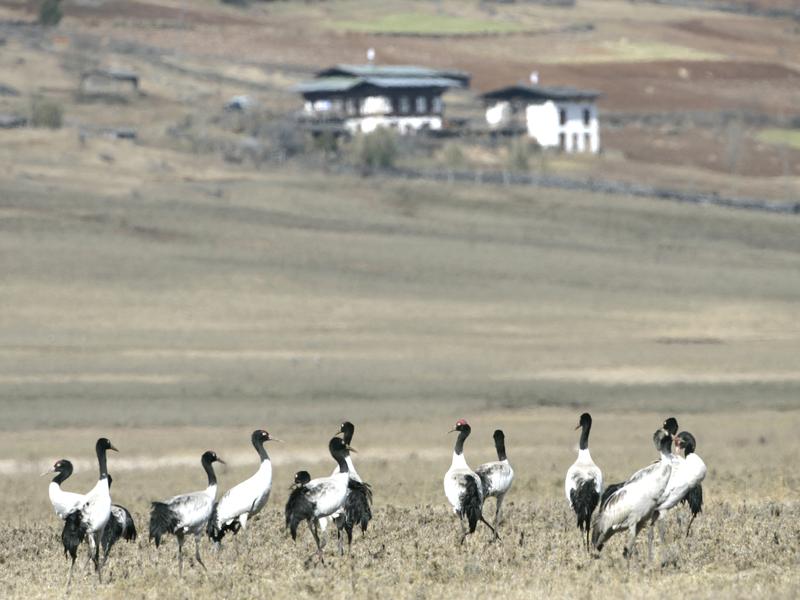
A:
<point x="345" y="84"/>
<point x="395" y="71"/>
<point x="537" y="92"/>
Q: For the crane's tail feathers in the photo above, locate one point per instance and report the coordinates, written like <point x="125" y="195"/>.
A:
<point x="609" y="491"/>
<point x="584" y="501"/>
<point x="357" y="510"/>
<point x="129" y="533"/>
<point x="73" y="533"/>
<point x="217" y="531"/>
<point x="694" y="498"/>
<point x="486" y="484"/>
<point x="163" y="520"/>
<point x="298" y="509"/>
<point x="471" y="503"/>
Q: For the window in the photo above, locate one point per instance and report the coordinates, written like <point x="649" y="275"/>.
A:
<point x="587" y="116"/>
<point x="587" y="142"/>
<point x="562" y="116"/>
<point x="350" y="106"/>
<point x="405" y="105"/>
<point x="422" y="104"/>
<point x="436" y="105"/>
<point x="562" y="141"/>
<point x="574" y="142"/>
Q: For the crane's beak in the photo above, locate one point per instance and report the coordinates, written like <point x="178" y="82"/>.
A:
<point x="272" y="439"/>
<point x="452" y="430"/>
<point x="50" y="470"/>
<point x="578" y="427"/>
<point x="351" y="449"/>
<point x="112" y="447"/>
<point x="340" y="432"/>
<point x="220" y="461"/>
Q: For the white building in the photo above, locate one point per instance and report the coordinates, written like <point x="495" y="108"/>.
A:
<point x="556" y="117"/>
<point x="362" y="98"/>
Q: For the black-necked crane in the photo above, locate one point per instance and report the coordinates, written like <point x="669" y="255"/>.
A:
<point x="120" y="526"/>
<point x="63" y="502"/>
<point x="462" y="486"/>
<point x="319" y="497"/>
<point x="688" y="470"/>
<point x="670" y="425"/>
<point x="245" y="499"/>
<point x="357" y="509"/>
<point x="497" y="476"/>
<point x="696" y="472"/>
<point x="584" y="481"/>
<point x="89" y="517"/>
<point x="632" y="505"/>
<point x="186" y="514"/>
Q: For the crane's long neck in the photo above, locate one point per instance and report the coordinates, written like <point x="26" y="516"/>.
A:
<point x="209" y="468"/>
<point x="500" y="446"/>
<point x="458" y="450"/>
<point x="262" y="452"/>
<point x="584" y="443"/>
<point x="342" y="462"/>
<point x="101" y="462"/>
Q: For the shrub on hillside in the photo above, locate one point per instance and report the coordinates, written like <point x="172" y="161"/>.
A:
<point x="50" y="13"/>
<point x="377" y="150"/>
<point x="46" y="113"/>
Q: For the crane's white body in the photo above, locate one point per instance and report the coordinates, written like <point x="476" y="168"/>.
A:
<point x="631" y="505"/>
<point x="455" y="481"/>
<point x="324" y="522"/>
<point x="96" y="507"/>
<point x="582" y="470"/>
<point x="247" y="498"/>
<point x="327" y="493"/>
<point x="686" y="473"/>
<point x="498" y="475"/>
<point x="63" y="502"/>
<point x="193" y="510"/>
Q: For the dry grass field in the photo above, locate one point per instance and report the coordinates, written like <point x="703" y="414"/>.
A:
<point x="157" y="295"/>
<point x="178" y="313"/>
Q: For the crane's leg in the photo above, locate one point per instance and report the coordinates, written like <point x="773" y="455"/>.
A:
<point x="630" y="547"/>
<point x="71" y="568"/>
<point x="197" y="551"/>
<point x="587" y="528"/>
<point x="463" y="528"/>
<point x="485" y="522"/>
<point x="179" y="537"/>
<point x="98" y="565"/>
<point x="497" y="509"/>
<point x="689" y="528"/>
<point x="313" y="529"/>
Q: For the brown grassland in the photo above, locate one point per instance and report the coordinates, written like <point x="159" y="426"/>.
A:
<point x="174" y="302"/>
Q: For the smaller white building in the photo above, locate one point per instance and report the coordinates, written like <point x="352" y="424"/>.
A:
<point x="556" y="117"/>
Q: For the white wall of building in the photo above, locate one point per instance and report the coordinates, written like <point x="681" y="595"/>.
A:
<point x="498" y="114"/>
<point x="368" y="124"/>
<point x="545" y="124"/>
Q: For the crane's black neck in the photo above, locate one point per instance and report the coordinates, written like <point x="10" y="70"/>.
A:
<point x="209" y="468"/>
<point x="342" y="462"/>
<point x="101" y="460"/>
<point x="63" y="474"/>
<point x="666" y="444"/>
<point x="462" y="435"/>
<point x="500" y="446"/>
<point x="584" y="443"/>
<point x="258" y="444"/>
